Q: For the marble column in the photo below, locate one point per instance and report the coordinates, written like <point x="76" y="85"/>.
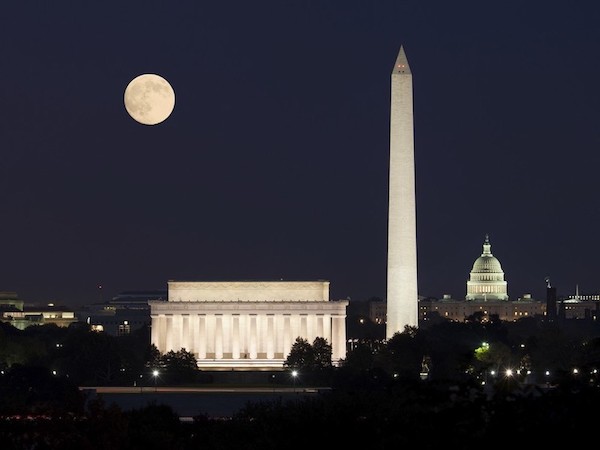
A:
<point x="195" y="335"/>
<point x="168" y="333"/>
<point x="202" y="336"/>
<point x="270" y="347"/>
<point x="185" y="332"/>
<point x="287" y="334"/>
<point x="339" y="338"/>
<point x="218" y="336"/>
<point x="235" y="342"/>
<point x="252" y="347"/>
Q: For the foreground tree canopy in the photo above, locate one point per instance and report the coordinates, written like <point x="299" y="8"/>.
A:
<point x="468" y="382"/>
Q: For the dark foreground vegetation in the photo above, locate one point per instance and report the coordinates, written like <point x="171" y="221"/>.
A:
<point x="465" y="386"/>
<point x="406" y="413"/>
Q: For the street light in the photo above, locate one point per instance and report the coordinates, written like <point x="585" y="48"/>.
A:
<point x="294" y="376"/>
<point x="155" y="375"/>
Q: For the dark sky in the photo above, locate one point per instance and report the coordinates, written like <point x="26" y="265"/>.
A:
<point x="274" y="161"/>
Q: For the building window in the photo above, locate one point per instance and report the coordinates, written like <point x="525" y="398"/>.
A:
<point x="124" y="328"/>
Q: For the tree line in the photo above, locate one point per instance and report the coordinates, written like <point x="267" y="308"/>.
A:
<point x="431" y="384"/>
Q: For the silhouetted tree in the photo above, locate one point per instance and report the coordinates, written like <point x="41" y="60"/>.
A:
<point x="322" y="352"/>
<point x="153" y="357"/>
<point x="402" y="356"/>
<point x="360" y="359"/>
<point x="180" y="366"/>
<point x="301" y="355"/>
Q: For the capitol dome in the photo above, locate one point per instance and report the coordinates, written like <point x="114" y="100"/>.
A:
<point x="487" y="263"/>
<point x="486" y="281"/>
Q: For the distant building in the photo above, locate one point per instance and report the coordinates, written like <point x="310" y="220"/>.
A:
<point x="15" y="312"/>
<point x="124" y="313"/>
<point x="578" y="306"/>
<point x="486" y="281"/>
<point x="579" y="309"/>
<point x="10" y="301"/>
<point x="377" y="311"/>
<point x="461" y="310"/>
<point x="486" y="296"/>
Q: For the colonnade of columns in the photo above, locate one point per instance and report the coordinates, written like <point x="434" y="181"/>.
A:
<point x="231" y="336"/>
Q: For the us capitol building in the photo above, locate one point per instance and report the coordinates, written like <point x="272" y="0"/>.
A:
<point x="487" y="295"/>
<point x="486" y="282"/>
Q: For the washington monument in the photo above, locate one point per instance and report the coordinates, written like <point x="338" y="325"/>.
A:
<point x="402" y="293"/>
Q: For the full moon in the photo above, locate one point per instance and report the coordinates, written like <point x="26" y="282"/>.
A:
<point x="149" y="99"/>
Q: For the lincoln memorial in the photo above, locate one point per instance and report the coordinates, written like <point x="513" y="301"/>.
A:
<point x="247" y="324"/>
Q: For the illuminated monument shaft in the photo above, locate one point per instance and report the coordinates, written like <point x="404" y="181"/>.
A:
<point x="402" y="293"/>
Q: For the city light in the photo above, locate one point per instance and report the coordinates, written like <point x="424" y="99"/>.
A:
<point x="155" y="375"/>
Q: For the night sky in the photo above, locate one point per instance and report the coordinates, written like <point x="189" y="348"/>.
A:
<point x="273" y="164"/>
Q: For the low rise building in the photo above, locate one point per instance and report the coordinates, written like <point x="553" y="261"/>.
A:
<point x="20" y="315"/>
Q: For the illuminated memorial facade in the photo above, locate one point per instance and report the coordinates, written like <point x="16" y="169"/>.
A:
<point x="247" y="324"/>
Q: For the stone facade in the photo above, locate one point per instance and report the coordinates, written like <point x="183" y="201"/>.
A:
<point x="246" y="324"/>
<point x="402" y="292"/>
